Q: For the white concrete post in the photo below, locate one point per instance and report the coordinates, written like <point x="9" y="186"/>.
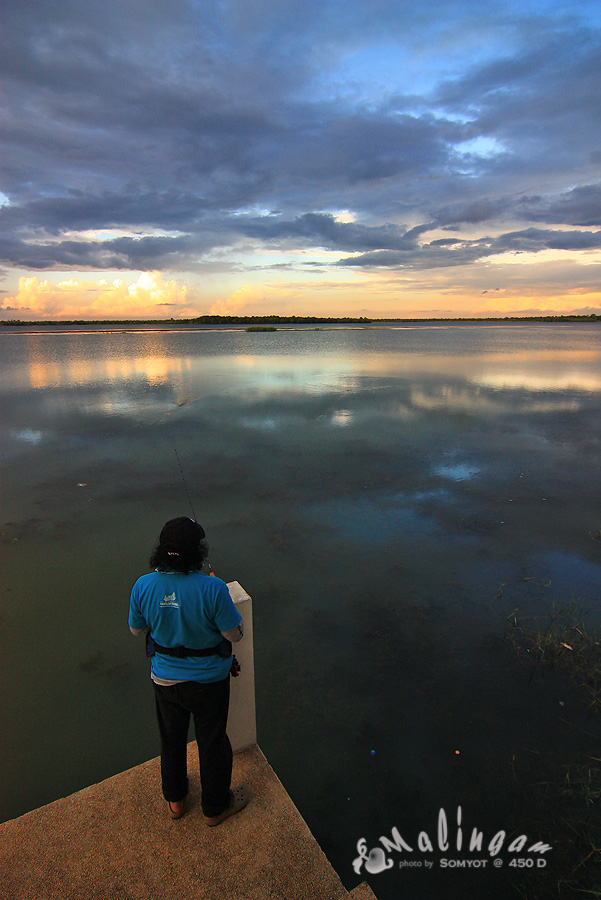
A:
<point x="242" y="723"/>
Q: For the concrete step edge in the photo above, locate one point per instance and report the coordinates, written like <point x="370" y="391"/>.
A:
<point x="362" y="892"/>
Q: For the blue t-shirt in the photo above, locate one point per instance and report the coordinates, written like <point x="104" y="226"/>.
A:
<point x="184" y="611"/>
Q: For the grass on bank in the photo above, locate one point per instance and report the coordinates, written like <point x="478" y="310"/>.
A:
<point x="562" y="639"/>
<point x="569" y="793"/>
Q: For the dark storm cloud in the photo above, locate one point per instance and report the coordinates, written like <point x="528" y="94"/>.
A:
<point x="323" y="230"/>
<point x="580" y="206"/>
<point x="180" y="117"/>
<point x="120" y="253"/>
<point x="547" y="91"/>
<point x="456" y="252"/>
<point x="87" y="211"/>
<point x="473" y="213"/>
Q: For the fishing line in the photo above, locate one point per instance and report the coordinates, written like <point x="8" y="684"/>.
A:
<point x="181" y="472"/>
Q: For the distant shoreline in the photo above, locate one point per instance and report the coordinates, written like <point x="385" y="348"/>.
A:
<point x="295" y="320"/>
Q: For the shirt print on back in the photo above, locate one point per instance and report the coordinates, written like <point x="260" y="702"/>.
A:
<point x="170" y="600"/>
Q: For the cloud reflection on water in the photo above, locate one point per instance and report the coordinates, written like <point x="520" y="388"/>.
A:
<point x="371" y="490"/>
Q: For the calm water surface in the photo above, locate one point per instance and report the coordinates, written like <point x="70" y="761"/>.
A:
<point x="387" y="496"/>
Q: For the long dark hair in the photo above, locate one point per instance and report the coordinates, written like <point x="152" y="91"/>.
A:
<point x="182" y="547"/>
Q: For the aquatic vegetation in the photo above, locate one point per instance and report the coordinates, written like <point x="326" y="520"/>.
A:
<point x="569" y="793"/>
<point x="583" y="780"/>
<point x="562" y="638"/>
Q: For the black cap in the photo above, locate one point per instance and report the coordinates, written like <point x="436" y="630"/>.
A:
<point x="181" y="535"/>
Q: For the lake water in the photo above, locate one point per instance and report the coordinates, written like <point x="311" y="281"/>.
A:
<point x="386" y="495"/>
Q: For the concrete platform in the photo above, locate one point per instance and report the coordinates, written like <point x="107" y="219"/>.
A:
<point x="116" y="840"/>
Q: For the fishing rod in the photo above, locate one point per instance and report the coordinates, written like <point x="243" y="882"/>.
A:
<point x="181" y="472"/>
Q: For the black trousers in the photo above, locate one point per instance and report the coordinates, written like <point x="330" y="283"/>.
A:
<point x="208" y="704"/>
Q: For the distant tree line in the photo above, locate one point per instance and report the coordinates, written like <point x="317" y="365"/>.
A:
<point x="278" y="320"/>
<point x="205" y="320"/>
<point x="298" y="320"/>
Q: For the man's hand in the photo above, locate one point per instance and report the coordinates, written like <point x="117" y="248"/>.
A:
<point x="138" y="632"/>
<point x="234" y="634"/>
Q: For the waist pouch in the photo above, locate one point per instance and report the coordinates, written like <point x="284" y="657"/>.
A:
<point x="222" y="649"/>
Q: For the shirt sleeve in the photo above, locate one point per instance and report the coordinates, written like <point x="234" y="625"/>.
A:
<point x="136" y="620"/>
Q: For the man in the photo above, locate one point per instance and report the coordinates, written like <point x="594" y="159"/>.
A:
<point x="189" y="619"/>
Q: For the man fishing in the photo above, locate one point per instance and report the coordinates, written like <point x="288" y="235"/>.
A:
<point x="189" y="620"/>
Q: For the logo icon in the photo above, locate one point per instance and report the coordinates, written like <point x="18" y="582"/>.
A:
<point x="375" y="861"/>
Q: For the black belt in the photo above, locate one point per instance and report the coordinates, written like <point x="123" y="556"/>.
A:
<point x="223" y="649"/>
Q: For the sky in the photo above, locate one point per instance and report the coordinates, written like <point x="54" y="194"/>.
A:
<point x="378" y="158"/>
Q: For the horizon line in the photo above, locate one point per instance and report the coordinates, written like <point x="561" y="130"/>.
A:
<point x="279" y="319"/>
